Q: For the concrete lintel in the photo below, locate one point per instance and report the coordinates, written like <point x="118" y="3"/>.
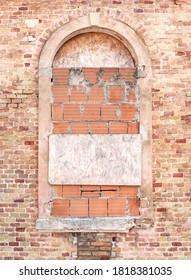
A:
<point x="100" y="224"/>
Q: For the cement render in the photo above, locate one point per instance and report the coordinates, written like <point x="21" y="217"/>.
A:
<point x="95" y="159"/>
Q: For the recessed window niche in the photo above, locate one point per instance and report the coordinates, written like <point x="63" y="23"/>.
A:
<point x="97" y="138"/>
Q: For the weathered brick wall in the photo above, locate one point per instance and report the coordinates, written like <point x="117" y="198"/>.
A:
<point x="165" y="27"/>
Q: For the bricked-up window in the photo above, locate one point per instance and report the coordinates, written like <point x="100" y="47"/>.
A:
<point x="94" y="101"/>
<point x="94" y="92"/>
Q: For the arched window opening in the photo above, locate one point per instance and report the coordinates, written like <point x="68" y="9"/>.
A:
<point x="94" y="137"/>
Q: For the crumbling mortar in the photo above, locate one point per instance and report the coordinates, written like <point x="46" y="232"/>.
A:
<point x="69" y="129"/>
<point x="118" y="112"/>
<point x="89" y="128"/>
<point x="82" y="109"/>
<point x="77" y="78"/>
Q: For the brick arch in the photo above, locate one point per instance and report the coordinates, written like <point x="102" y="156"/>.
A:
<point x="93" y="22"/>
<point x="105" y="12"/>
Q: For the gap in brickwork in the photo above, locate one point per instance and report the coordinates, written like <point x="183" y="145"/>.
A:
<point x="94" y="246"/>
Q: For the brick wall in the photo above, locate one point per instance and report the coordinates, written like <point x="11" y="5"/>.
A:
<point x="93" y="101"/>
<point x="168" y="40"/>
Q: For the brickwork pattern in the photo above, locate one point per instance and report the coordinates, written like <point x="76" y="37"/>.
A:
<point x="168" y="40"/>
<point x="95" y="100"/>
<point x="95" y="201"/>
<point x="87" y="101"/>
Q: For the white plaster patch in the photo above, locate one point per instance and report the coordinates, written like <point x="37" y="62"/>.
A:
<point x="94" y="19"/>
<point x="113" y="159"/>
<point x="31" y="22"/>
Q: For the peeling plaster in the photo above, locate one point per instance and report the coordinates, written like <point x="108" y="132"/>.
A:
<point x="77" y="79"/>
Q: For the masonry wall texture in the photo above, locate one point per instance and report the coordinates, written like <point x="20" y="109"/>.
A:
<point x="165" y="28"/>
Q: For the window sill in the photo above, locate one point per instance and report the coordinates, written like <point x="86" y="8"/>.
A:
<point x="104" y="224"/>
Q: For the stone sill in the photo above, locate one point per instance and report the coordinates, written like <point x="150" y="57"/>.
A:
<point x="98" y="224"/>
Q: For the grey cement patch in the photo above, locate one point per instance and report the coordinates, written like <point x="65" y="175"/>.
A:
<point x="96" y="159"/>
<point x="105" y="224"/>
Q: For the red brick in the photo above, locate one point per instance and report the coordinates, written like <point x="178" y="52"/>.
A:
<point x="60" y="76"/>
<point x="23" y="8"/>
<point x="132" y="96"/>
<point x="176" y="244"/>
<point x="115" y="93"/>
<point x="72" y="112"/>
<point x="60" y="128"/>
<point x="133" y="206"/>
<point x="178" y="175"/>
<point x="99" y="127"/>
<point x="116" y="206"/>
<point x="109" y="112"/>
<point x="98" y="207"/>
<point x="90" y="188"/>
<point x="133" y="128"/>
<point x="91" y="112"/>
<point x="127" y="73"/>
<point x="109" y="190"/>
<point x="188" y="103"/>
<point x="118" y="127"/>
<point x="18" y="249"/>
<point x="60" y="207"/>
<point x="157" y="185"/>
<point x="78" y="95"/>
<point x="117" y="2"/>
<point x="79" y="127"/>
<point x="128" y="112"/>
<point x="154" y="244"/>
<point x="79" y="207"/>
<point x="180" y="140"/>
<point x="161" y="209"/>
<point x="58" y="190"/>
<point x="57" y="114"/>
<point x="60" y="93"/>
<point x="19" y="181"/>
<point x="91" y="74"/>
<point x="128" y="190"/>
<point x="13" y="243"/>
<point x="29" y="143"/>
<point x="109" y="73"/>
<point x="71" y="191"/>
<point x="27" y="55"/>
<point x="96" y="94"/>
<point x="109" y="193"/>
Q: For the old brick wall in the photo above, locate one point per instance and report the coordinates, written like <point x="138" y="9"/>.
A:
<point x="165" y="27"/>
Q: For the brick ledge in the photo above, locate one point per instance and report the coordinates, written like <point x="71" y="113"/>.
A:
<point x="101" y="224"/>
